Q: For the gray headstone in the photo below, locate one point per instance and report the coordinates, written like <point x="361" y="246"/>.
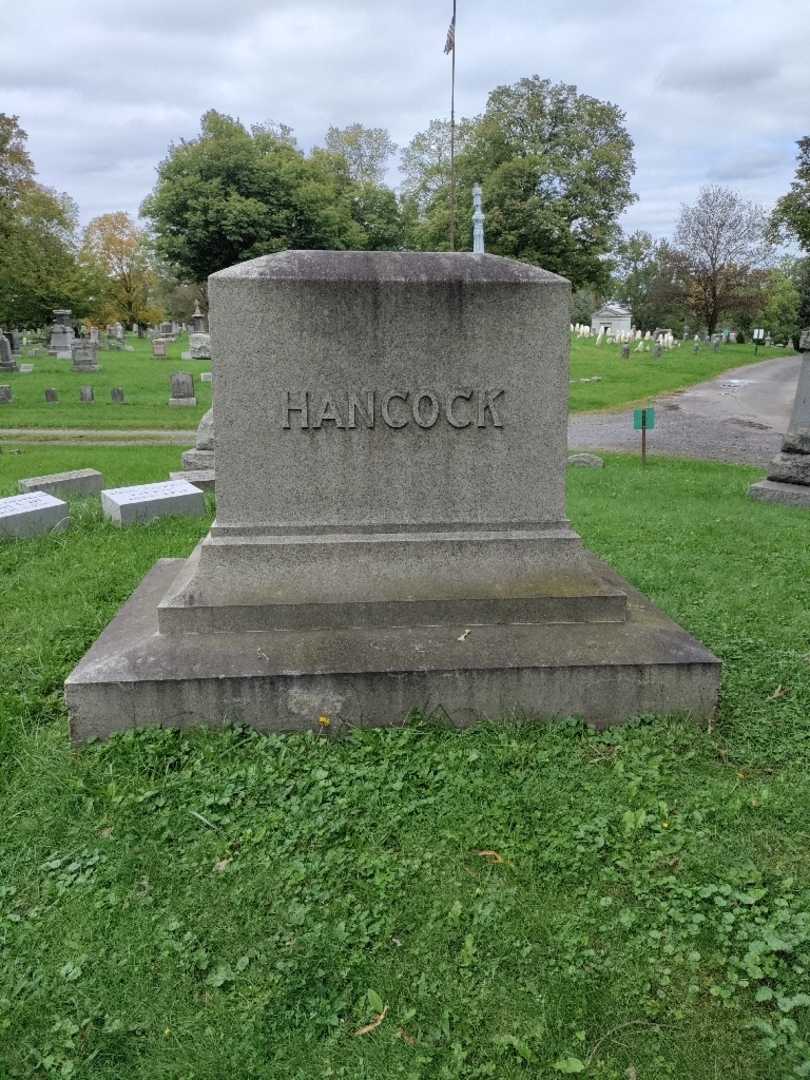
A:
<point x="51" y="395"/>
<point x="182" y="389"/>
<point x="7" y="361"/>
<point x="125" y="506"/>
<point x="625" y="352"/>
<point x="6" y="395"/>
<point x="158" y="347"/>
<point x="117" y="394"/>
<point x="23" y="516"/>
<point x="86" y="394"/>
<point x="26" y="369"/>
<point x="205" y="432"/>
<point x="61" y="337"/>
<point x="203" y="479"/>
<point x="76" y="482"/>
<point x="85" y="355"/>
<point x="200" y="346"/>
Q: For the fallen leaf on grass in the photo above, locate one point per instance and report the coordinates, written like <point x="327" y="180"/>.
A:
<point x="409" y="1039"/>
<point x="222" y="865"/>
<point x="375" y="1023"/>
<point x="490" y="856"/>
<point x="779" y="692"/>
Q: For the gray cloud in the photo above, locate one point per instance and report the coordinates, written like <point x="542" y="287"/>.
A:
<point x="712" y="93"/>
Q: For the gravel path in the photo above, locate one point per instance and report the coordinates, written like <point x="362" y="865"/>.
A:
<point x="739" y="417"/>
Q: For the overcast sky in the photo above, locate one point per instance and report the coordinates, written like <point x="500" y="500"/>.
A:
<point x="714" y="91"/>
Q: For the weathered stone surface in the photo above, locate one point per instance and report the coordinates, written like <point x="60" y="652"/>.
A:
<point x="200" y="346"/>
<point x="790" y="468"/>
<point x="391" y="530"/>
<point x="22" y="516"/>
<point x="205" y="432"/>
<point x="6" y="394"/>
<point x="204" y="479"/>
<point x="585" y="461"/>
<point x="76" y="482"/>
<point x="182" y="389"/>
<point x="797" y="442"/>
<point x="134" y="677"/>
<point x="798" y="432"/>
<point x="145" y="502"/>
<point x="778" y="492"/>
<point x="198" y="459"/>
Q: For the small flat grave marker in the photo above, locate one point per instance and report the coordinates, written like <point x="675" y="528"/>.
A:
<point x="26" y="369"/>
<point x="145" y="502"/>
<point x="76" y="482"/>
<point x="23" y="516"/>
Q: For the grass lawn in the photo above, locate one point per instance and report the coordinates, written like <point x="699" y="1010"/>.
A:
<point x="642" y="376"/>
<point x="509" y="901"/>
<point x="146" y="384"/>
<point x="145" y="380"/>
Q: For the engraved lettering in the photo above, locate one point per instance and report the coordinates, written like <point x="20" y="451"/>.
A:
<point x="458" y="394"/>
<point x="393" y="395"/>
<point x="302" y="408"/>
<point x="433" y="412"/>
<point x="328" y="410"/>
<point x="366" y="411"/>
<point x="486" y="404"/>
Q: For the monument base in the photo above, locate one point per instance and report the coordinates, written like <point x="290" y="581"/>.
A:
<point x="285" y="680"/>
<point x="778" y="492"/>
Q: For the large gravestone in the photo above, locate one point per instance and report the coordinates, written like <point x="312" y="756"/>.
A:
<point x="391" y="530"/>
<point x="61" y="334"/>
<point x="7" y="361"/>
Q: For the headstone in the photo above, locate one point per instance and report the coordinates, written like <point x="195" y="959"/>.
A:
<point x="788" y="478"/>
<point x="585" y="461"/>
<point x="61" y="334"/>
<point x="198" y="325"/>
<point x="625" y="352"/>
<point x="26" y="369"/>
<point x="658" y="352"/>
<point x="114" y="344"/>
<point x="391" y="528"/>
<point x="7" y="361"/>
<point x="207" y="376"/>
<point x="51" y="394"/>
<point x="23" y="516"/>
<point x="128" y="505"/>
<point x="6" y="395"/>
<point x="202" y="456"/>
<point x="85" y="356"/>
<point x="94" y="334"/>
<point x="200" y="346"/>
<point x="86" y="394"/>
<point x="182" y="389"/>
<point x="204" y="479"/>
<point x="15" y="338"/>
<point x="117" y="395"/>
<point x="158" y="347"/>
<point x="77" y="482"/>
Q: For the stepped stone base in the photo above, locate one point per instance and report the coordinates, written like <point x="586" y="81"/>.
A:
<point x="284" y="680"/>
<point x="778" y="492"/>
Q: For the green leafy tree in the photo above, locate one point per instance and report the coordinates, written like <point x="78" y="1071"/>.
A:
<point x="792" y="211"/>
<point x="555" y="167"/>
<point x="366" y="151"/>
<point x="647" y="276"/>
<point x="780" y="314"/>
<point x="723" y="252"/>
<point x="233" y="194"/>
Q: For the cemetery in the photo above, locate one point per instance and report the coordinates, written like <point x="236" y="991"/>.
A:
<point x="405" y="588"/>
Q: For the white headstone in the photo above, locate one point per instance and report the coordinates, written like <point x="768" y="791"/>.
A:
<point x="76" y="482"/>
<point x="144" y="502"/>
<point x="28" y="515"/>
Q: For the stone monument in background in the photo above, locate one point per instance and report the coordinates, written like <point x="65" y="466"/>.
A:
<point x="788" y="479"/>
<point x="391" y="529"/>
<point x="61" y="334"/>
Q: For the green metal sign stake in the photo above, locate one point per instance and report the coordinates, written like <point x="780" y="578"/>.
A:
<point x="644" y="421"/>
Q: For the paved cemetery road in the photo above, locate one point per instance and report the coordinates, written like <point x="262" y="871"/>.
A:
<point x="89" y="437"/>
<point x="738" y="417"/>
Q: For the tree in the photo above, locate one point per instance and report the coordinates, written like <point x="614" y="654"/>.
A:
<point x="16" y="166"/>
<point x="117" y="247"/>
<point x="555" y="167"/>
<point x="793" y="209"/>
<point x="366" y="151"/>
<point x="780" y="315"/>
<point x="647" y="277"/>
<point x="233" y="194"/>
<point x="722" y="248"/>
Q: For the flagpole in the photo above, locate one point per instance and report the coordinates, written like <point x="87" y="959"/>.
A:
<point x="453" y="139"/>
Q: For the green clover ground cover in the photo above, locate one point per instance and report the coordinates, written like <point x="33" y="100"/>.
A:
<point x="515" y="900"/>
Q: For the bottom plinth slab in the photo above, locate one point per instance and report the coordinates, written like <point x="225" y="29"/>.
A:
<point x="777" y="492"/>
<point x="286" y="680"/>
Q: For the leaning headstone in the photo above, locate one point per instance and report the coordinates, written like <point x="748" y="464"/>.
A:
<point x="86" y="394"/>
<point x="6" y="395"/>
<point x="585" y="461"/>
<point x="128" y="505"/>
<point x="7" y="361"/>
<point x="51" y="395"/>
<point x="202" y="456"/>
<point x="182" y="389"/>
<point x="788" y="479"/>
<point x="61" y="334"/>
<point x="117" y="395"/>
<point x="77" y="482"/>
<point x="85" y="356"/>
<point x="23" y="516"/>
<point x="391" y="529"/>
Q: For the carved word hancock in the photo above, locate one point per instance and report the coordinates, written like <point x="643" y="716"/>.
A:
<point x="460" y="407"/>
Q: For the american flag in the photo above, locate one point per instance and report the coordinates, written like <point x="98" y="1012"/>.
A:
<point x="450" y="44"/>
